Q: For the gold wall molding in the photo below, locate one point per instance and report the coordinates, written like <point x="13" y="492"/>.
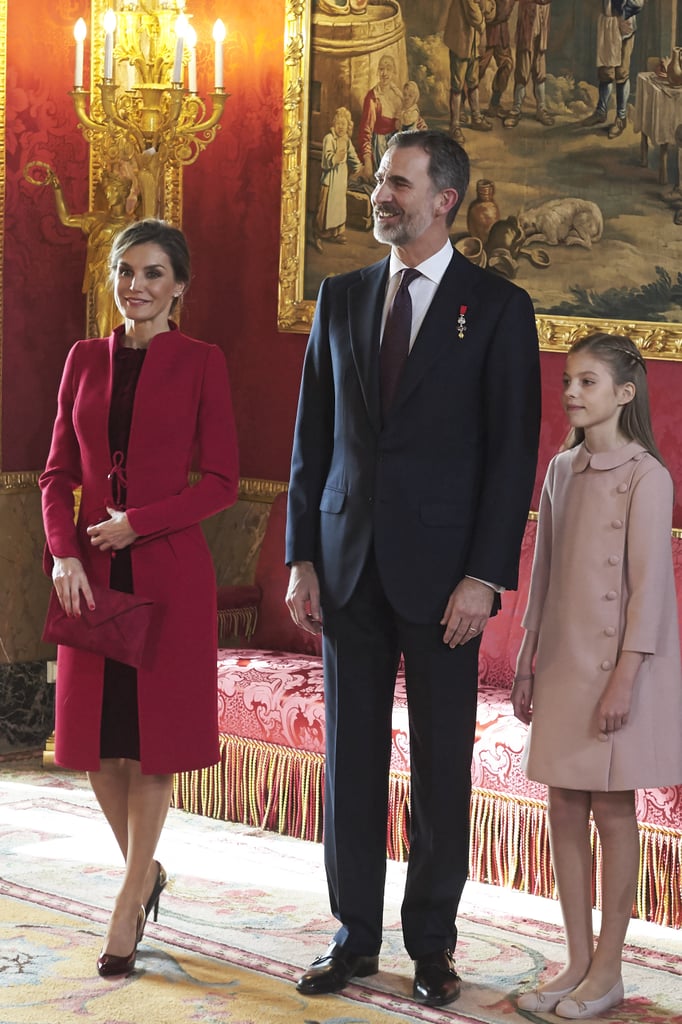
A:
<point x="256" y="489"/>
<point x="19" y="481"/>
<point x="251" y="488"/>
<point x="655" y="340"/>
<point x="675" y="532"/>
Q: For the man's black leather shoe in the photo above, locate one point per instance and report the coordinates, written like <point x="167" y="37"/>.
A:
<point x="332" y="971"/>
<point x="436" y="982"/>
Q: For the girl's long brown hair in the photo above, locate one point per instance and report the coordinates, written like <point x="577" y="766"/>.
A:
<point x="626" y="365"/>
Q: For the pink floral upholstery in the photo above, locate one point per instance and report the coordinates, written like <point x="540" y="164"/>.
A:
<point x="271" y="696"/>
<point x="275" y="698"/>
<point x="278" y="698"/>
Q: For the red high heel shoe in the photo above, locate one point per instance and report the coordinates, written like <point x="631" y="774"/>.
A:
<point x="111" y="966"/>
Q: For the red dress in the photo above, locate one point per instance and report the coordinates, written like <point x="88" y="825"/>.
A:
<point x="181" y="419"/>
<point x="120" y="730"/>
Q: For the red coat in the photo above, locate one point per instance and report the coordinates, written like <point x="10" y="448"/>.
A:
<point x="182" y="417"/>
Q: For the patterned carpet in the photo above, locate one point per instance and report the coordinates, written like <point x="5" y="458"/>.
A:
<point x="244" y="912"/>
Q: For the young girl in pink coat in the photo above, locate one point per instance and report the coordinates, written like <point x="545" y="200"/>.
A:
<point x="598" y="673"/>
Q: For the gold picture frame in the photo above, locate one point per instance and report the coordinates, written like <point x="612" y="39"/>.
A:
<point x="657" y="339"/>
<point x="3" y="178"/>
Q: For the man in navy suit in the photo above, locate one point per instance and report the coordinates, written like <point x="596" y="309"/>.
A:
<point x="405" y="520"/>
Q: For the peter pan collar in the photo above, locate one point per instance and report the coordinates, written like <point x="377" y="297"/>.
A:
<point x="582" y="457"/>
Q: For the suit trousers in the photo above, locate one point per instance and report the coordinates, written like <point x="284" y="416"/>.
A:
<point x="362" y="645"/>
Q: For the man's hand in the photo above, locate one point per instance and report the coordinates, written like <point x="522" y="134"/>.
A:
<point x="112" y="534"/>
<point x="69" y="579"/>
<point x="467" y="611"/>
<point x="303" y="597"/>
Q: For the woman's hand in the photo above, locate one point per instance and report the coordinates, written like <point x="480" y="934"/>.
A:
<point x="522" y="697"/>
<point x="613" y="709"/>
<point x="112" y="534"/>
<point x="69" y="579"/>
<point x="524" y="678"/>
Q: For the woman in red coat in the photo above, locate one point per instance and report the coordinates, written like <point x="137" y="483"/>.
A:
<point x="136" y="412"/>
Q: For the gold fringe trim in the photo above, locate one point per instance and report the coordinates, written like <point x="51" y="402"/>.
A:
<point x="281" y="789"/>
<point x="659" y="890"/>
<point x="398" y="831"/>
<point x="235" y="622"/>
<point x="277" y="788"/>
<point x="260" y="784"/>
<point x="510" y="847"/>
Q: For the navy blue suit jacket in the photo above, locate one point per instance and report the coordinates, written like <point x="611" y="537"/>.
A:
<point x="442" y="487"/>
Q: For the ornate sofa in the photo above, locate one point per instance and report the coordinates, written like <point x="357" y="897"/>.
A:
<point x="271" y="714"/>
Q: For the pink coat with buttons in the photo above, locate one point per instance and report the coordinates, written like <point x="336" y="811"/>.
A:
<point x="603" y="582"/>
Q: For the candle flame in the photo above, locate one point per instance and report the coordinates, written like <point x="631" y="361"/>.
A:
<point x="181" y="26"/>
<point x="191" y="37"/>
<point x="109" y="21"/>
<point x="80" y="30"/>
<point x="219" y="31"/>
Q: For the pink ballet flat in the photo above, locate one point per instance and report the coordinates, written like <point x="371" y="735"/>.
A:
<point x="579" y="1009"/>
<point x="541" y="1001"/>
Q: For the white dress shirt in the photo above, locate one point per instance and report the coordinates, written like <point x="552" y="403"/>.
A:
<point x="422" y="289"/>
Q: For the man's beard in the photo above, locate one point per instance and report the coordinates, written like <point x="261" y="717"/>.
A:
<point x="407" y="229"/>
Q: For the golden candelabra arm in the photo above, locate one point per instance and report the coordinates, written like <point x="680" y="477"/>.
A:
<point x="177" y="94"/>
<point x="121" y="113"/>
<point x="80" y="99"/>
<point x="218" y="100"/>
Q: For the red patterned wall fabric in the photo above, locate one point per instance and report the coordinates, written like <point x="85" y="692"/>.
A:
<point x="43" y="265"/>
<point x="231" y="217"/>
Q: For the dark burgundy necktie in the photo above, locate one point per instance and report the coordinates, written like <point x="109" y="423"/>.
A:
<point x="395" y="344"/>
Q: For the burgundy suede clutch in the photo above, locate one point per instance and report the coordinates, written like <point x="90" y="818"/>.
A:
<point x="116" y="629"/>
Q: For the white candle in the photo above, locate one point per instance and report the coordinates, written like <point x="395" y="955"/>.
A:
<point x="109" y="29"/>
<point x="181" y="26"/>
<point x="192" y="66"/>
<point x="219" y="32"/>
<point x="79" y="33"/>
